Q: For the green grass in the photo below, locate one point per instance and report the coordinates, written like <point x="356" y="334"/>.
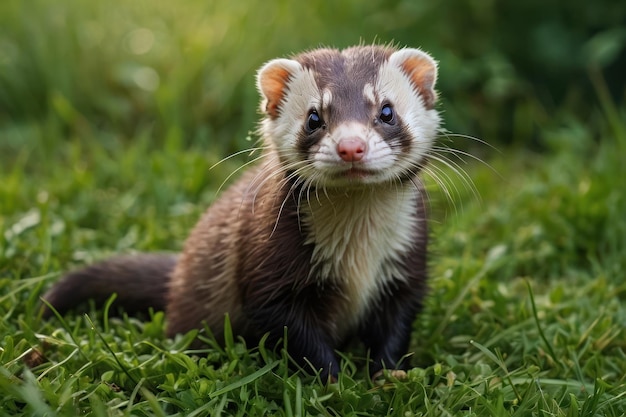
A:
<point x="525" y="316"/>
<point x="527" y="309"/>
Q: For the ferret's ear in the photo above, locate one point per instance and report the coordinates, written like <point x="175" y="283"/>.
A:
<point x="421" y="70"/>
<point x="272" y="80"/>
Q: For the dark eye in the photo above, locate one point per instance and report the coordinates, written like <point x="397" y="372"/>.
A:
<point x="314" y="121"/>
<point x="386" y="114"/>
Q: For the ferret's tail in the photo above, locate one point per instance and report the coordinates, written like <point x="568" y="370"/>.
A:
<point x="140" y="282"/>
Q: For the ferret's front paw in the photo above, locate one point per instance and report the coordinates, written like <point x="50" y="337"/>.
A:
<point x="390" y="374"/>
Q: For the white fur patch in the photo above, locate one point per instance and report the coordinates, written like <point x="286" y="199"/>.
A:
<point x="302" y="95"/>
<point x="423" y="124"/>
<point x="368" y="93"/>
<point x="327" y="98"/>
<point x="359" y="237"/>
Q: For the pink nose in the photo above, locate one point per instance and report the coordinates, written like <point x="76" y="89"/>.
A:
<point x="351" y="149"/>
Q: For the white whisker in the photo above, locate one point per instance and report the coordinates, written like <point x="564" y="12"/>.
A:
<point x="443" y="183"/>
<point x="450" y="135"/>
<point x="459" y="171"/>
<point x="239" y="169"/>
<point x="248" y="150"/>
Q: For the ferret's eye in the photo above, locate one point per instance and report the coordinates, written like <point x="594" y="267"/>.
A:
<point x="386" y="114"/>
<point x="314" y="121"/>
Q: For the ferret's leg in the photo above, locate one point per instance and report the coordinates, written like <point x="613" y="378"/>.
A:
<point x="306" y="344"/>
<point x="307" y="337"/>
<point x="387" y="331"/>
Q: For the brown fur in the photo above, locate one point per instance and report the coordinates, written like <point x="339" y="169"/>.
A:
<point x="140" y="282"/>
<point x="280" y="249"/>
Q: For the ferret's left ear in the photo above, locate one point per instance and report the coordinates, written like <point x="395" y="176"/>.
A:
<point x="272" y="81"/>
<point x="421" y="70"/>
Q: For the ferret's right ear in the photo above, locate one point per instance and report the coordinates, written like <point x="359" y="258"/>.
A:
<point x="272" y="81"/>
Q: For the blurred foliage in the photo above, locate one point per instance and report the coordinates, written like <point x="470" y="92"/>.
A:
<point x="112" y="112"/>
<point x="172" y="72"/>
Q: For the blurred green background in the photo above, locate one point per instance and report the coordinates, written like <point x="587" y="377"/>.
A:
<point x="112" y="112"/>
<point x="509" y="71"/>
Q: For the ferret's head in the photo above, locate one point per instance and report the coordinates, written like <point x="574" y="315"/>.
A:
<point x="363" y="115"/>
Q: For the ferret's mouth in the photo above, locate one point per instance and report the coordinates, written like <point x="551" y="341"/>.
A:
<point x="355" y="173"/>
<point x="351" y="175"/>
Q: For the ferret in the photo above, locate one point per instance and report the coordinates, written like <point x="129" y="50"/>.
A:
<point x="326" y="236"/>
